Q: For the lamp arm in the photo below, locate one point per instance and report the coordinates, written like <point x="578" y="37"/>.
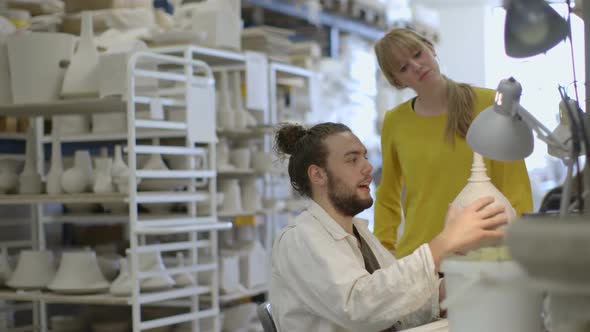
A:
<point x="543" y="133"/>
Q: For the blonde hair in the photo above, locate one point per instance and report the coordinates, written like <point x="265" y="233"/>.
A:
<point x="399" y="44"/>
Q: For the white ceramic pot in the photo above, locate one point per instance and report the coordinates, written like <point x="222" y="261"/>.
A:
<point x="79" y="273"/>
<point x="78" y="179"/>
<point x="232" y="202"/>
<point x="229" y="273"/>
<point x="490" y="296"/>
<point x="152" y="262"/>
<point x="251" y="199"/>
<point x="103" y="181"/>
<point x="122" y="286"/>
<point x="34" y="58"/>
<point x="109" y="265"/>
<point x="222" y="155"/>
<point x="240" y="157"/>
<point x="254" y="269"/>
<point x="34" y="270"/>
<point x="120" y="171"/>
<point x="262" y="161"/>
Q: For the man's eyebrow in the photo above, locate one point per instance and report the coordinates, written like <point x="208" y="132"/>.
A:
<point x="355" y="152"/>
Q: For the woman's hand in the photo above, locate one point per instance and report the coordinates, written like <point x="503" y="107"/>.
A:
<point x="469" y="229"/>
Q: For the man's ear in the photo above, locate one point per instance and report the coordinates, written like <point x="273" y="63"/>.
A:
<point x="317" y="175"/>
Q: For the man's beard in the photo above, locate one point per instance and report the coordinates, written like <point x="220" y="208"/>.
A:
<point x="346" y="201"/>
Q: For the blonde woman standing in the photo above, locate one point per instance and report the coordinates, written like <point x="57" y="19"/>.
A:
<point x="424" y="148"/>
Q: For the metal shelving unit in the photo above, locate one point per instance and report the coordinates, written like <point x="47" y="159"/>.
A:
<point x="228" y="61"/>
<point x="197" y="235"/>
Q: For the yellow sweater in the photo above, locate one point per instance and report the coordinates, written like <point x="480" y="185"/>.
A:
<point x="432" y="172"/>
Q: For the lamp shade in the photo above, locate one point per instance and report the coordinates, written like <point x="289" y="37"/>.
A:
<point x="500" y="136"/>
<point x="499" y="132"/>
<point x="532" y="27"/>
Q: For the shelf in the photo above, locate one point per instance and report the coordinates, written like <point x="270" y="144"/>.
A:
<point x="301" y="11"/>
<point x="290" y="71"/>
<point x="226" y="215"/>
<point x="248" y="133"/>
<point x="87" y="219"/>
<point x="171" y="196"/>
<point x="211" y="56"/>
<point x="235" y="172"/>
<point x="114" y="137"/>
<point x="100" y="299"/>
<point x="163" y="230"/>
<point x="225" y="298"/>
<point x="105" y="299"/>
<point x="66" y="106"/>
<point x="173" y="174"/>
<point x="169" y="150"/>
<point x="12" y="156"/>
<point x="13" y="136"/>
<point x="61" y="198"/>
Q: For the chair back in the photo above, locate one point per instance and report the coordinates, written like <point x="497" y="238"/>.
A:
<point x="265" y="316"/>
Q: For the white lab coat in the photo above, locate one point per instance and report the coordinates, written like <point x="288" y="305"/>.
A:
<point x="320" y="284"/>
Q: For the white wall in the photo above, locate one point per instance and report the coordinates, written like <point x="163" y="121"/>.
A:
<point x="461" y="50"/>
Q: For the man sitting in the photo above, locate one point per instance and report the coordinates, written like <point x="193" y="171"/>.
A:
<point x="329" y="272"/>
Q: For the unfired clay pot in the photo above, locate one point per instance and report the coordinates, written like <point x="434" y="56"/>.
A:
<point x="479" y="185"/>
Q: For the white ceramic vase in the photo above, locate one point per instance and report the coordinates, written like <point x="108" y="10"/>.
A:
<point x="240" y="158"/>
<point x="120" y="171"/>
<point x="479" y="185"/>
<point x="251" y="199"/>
<point x="222" y="155"/>
<point x="225" y="112"/>
<point x="81" y="77"/>
<point x="78" y="178"/>
<point x="56" y="167"/>
<point x="232" y="202"/>
<point x="30" y="179"/>
<point x="242" y="117"/>
<point x="103" y="181"/>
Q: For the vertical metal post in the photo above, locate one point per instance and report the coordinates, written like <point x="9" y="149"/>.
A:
<point x="586" y="17"/>
<point x="334" y="42"/>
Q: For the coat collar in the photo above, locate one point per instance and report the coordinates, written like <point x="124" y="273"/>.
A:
<point x="331" y="226"/>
